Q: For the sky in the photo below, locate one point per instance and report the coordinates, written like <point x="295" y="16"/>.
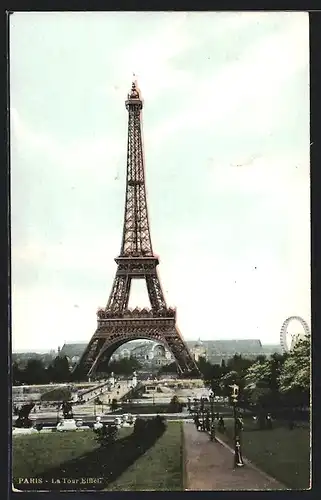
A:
<point x="226" y="139"/>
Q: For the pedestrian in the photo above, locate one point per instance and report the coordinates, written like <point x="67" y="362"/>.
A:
<point x="221" y="425"/>
<point x="212" y="433"/>
<point x="239" y="423"/>
<point x="197" y="422"/>
<point x="207" y="423"/>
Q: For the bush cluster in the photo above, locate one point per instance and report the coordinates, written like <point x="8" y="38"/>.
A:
<point x="106" y="435"/>
<point x="148" y="427"/>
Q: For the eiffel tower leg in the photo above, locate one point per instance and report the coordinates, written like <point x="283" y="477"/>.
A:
<point x="155" y="292"/>
<point x="92" y="350"/>
<point x="119" y="297"/>
<point x="112" y="333"/>
<point x="186" y="363"/>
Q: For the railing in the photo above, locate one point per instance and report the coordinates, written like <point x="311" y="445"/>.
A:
<point x="137" y="313"/>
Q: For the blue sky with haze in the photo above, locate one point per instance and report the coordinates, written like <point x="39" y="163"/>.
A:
<point x="226" y="136"/>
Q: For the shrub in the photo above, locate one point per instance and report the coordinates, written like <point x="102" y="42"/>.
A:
<point x="106" y="435"/>
<point x="175" y="406"/>
<point x="114" y="404"/>
<point x="59" y="394"/>
<point x="140" y="426"/>
<point x="149" y="427"/>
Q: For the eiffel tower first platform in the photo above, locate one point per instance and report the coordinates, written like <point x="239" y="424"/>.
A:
<point x="116" y="323"/>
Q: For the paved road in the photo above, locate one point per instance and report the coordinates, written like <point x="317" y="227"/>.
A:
<point x="209" y="467"/>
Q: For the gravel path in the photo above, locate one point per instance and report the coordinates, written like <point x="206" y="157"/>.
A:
<point x="209" y="467"/>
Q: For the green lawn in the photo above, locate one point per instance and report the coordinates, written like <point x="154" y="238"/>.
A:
<point x="152" y="464"/>
<point x="36" y="453"/>
<point x="160" y="468"/>
<point x="280" y="452"/>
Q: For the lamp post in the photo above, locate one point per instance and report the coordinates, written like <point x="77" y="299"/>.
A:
<point x="238" y="459"/>
<point x="203" y="414"/>
<point x="58" y="408"/>
<point x="196" y="413"/>
<point x="212" y="405"/>
<point x="212" y="430"/>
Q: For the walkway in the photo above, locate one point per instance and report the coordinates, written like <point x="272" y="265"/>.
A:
<point x="209" y="467"/>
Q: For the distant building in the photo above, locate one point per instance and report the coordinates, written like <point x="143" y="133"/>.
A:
<point x="198" y="350"/>
<point x="151" y="354"/>
<point x="217" y="350"/>
<point x="72" y="351"/>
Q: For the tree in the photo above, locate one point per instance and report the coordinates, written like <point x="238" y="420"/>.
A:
<point x="170" y="368"/>
<point x="58" y="394"/>
<point x="205" y="367"/>
<point x="217" y="373"/>
<point x="175" y="406"/>
<point x="262" y="382"/>
<point x="125" y="366"/>
<point x="114" y="404"/>
<point x="294" y="378"/>
<point x="257" y="390"/>
<point x="58" y="370"/>
<point x="228" y="379"/>
<point x="17" y="374"/>
<point x="35" y="372"/>
<point x="239" y="364"/>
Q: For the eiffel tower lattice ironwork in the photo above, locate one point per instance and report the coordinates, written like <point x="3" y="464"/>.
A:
<point x="116" y="323"/>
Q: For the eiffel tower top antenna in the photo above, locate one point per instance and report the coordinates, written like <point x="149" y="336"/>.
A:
<point x="136" y="240"/>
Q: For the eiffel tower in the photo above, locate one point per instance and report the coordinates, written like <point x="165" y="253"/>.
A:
<point x="116" y="323"/>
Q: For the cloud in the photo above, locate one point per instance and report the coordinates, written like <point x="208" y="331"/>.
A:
<point x="219" y="91"/>
<point x="249" y="85"/>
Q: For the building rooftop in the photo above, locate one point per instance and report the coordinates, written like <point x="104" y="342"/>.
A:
<point x="227" y="347"/>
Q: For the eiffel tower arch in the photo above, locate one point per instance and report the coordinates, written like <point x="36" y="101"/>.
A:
<point x="116" y="323"/>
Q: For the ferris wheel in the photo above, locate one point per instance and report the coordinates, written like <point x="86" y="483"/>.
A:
<point x="288" y="339"/>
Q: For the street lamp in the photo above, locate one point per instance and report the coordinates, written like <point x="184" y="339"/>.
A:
<point x="212" y="395"/>
<point x="238" y="459"/>
<point x="195" y="409"/>
<point x="203" y="414"/>
<point x="58" y="408"/>
<point x="212" y="430"/>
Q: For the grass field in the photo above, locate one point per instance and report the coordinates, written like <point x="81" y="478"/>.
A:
<point x="54" y="460"/>
<point x="280" y="452"/>
<point x="160" y="468"/>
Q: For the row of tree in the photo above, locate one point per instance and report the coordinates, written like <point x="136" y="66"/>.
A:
<point x="36" y="372"/>
<point x="274" y="382"/>
<point x="282" y="379"/>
